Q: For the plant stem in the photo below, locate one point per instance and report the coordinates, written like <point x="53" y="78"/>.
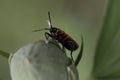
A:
<point x="4" y="54"/>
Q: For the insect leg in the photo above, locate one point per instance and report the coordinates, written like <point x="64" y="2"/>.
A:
<point x="63" y="48"/>
<point x="47" y="35"/>
<point x="80" y="54"/>
<point x="71" y="56"/>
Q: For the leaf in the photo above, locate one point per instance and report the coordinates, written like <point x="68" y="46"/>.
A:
<point x="107" y="56"/>
<point x="4" y="54"/>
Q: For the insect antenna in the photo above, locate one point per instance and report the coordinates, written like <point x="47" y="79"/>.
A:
<point x="49" y="21"/>
<point x="40" y="29"/>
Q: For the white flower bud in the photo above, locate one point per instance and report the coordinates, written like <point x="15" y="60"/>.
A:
<point x="41" y="61"/>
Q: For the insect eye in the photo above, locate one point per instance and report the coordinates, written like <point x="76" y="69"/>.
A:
<point x="53" y="30"/>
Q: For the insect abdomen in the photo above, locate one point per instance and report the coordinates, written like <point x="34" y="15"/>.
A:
<point x="70" y="44"/>
<point x="66" y="40"/>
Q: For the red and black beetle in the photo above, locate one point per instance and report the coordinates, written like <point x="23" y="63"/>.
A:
<point x="60" y="36"/>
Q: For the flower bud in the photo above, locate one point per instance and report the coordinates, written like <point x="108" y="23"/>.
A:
<point x="42" y="61"/>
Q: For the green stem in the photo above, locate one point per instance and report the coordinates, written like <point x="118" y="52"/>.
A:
<point x="4" y="54"/>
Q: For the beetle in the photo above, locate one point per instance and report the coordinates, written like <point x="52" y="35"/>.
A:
<point x="62" y="37"/>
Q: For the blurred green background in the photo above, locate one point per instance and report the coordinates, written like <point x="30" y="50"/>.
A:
<point x="19" y="17"/>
